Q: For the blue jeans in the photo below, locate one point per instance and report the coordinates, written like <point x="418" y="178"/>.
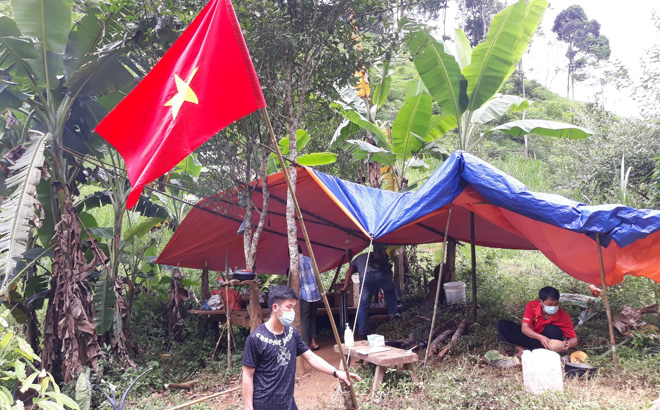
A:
<point x="373" y="282"/>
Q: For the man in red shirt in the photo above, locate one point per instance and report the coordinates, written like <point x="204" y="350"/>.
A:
<point x="543" y="320"/>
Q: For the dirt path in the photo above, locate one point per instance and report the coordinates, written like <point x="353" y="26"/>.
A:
<point x="317" y="390"/>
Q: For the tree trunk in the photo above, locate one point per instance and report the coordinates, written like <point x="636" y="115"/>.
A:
<point x="435" y="345"/>
<point x="374" y="174"/>
<point x="451" y="259"/>
<point x="70" y="340"/>
<point x="253" y="307"/>
<point x="460" y="331"/>
<point x="400" y="270"/>
<point x="251" y="243"/>
<point x="205" y="283"/>
<point x="178" y="295"/>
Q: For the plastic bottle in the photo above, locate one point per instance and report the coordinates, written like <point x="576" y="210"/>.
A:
<point x="348" y="337"/>
<point x="381" y="298"/>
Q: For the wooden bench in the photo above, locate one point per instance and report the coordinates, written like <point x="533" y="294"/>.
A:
<point x="392" y="358"/>
<point x="238" y="317"/>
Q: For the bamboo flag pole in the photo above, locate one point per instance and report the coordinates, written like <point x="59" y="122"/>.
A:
<point x="311" y="253"/>
<point x="437" y="288"/>
<point x="473" y="252"/>
<point x="615" y="360"/>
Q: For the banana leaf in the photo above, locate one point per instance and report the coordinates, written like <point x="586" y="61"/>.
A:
<point x="317" y="158"/>
<point x="439" y="71"/>
<point x="496" y="107"/>
<point x="494" y="60"/>
<point x="543" y="127"/>
<point x="104" y="300"/>
<point x="412" y="122"/>
<point x="49" y="22"/>
<point x="18" y="209"/>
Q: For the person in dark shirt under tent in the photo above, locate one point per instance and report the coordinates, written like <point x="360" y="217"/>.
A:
<point x="269" y="359"/>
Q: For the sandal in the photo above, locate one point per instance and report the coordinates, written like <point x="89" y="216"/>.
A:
<point x="314" y="345"/>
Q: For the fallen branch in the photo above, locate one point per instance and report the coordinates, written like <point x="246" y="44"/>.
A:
<point x="459" y="332"/>
<point x="184" y="386"/>
<point x="190" y="403"/>
<point x="436" y="342"/>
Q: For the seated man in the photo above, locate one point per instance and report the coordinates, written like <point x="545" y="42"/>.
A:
<point x="543" y="320"/>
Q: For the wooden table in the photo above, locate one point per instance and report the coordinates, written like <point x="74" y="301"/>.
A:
<point x="392" y="358"/>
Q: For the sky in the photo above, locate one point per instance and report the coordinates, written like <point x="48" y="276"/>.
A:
<point x="627" y="25"/>
<point x="630" y="30"/>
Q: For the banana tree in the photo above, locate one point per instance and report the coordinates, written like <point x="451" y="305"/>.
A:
<point x="465" y="85"/>
<point x="396" y="147"/>
<point x="55" y="79"/>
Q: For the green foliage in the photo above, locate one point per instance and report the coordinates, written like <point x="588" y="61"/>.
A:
<point x="18" y="371"/>
<point x="311" y="159"/>
<point x="113" y="400"/>
<point x="591" y="173"/>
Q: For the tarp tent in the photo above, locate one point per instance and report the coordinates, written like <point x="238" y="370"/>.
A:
<point x="341" y="215"/>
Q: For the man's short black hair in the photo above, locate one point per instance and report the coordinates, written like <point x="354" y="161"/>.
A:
<point x="548" y="292"/>
<point x="280" y="293"/>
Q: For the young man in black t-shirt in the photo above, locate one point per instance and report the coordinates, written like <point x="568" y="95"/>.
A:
<point x="269" y="359"/>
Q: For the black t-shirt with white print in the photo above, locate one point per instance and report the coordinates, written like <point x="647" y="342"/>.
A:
<point x="274" y="359"/>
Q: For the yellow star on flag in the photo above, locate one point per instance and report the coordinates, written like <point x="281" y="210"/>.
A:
<point x="184" y="93"/>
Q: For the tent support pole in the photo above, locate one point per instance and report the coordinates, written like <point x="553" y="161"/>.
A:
<point x="437" y="288"/>
<point x="311" y="255"/>
<point x="205" y="281"/>
<point x="473" y="251"/>
<point x="615" y="360"/>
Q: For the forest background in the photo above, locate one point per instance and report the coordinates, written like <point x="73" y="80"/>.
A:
<point x="316" y="62"/>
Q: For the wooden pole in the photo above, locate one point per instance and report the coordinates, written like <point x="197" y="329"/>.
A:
<point x="190" y="403"/>
<point x="334" y="279"/>
<point x="615" y="361"/>
<point x="473" y="251"/>
<point x="205" y="282"/>
<point x="311" y="254"/>
<point x="437" y="289"/>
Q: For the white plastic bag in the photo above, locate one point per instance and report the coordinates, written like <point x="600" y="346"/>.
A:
<point x="542" y="371"/>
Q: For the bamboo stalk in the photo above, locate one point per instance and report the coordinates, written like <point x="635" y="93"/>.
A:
<point x="437" y="289"/>
<point x="190" y="403"/>
<point x="473" y="253"/>
<point x="615" y="360"/>
<point x="311" y="255"/>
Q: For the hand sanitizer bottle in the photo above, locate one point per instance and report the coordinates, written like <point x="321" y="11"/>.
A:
<point x="348" y="337"/>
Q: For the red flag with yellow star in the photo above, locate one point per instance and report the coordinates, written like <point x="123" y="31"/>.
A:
<point x="203" y="83"/>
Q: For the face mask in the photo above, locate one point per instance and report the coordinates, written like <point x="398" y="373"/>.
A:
<point x="287" y="317"/>
<point x="551" y="310"/>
